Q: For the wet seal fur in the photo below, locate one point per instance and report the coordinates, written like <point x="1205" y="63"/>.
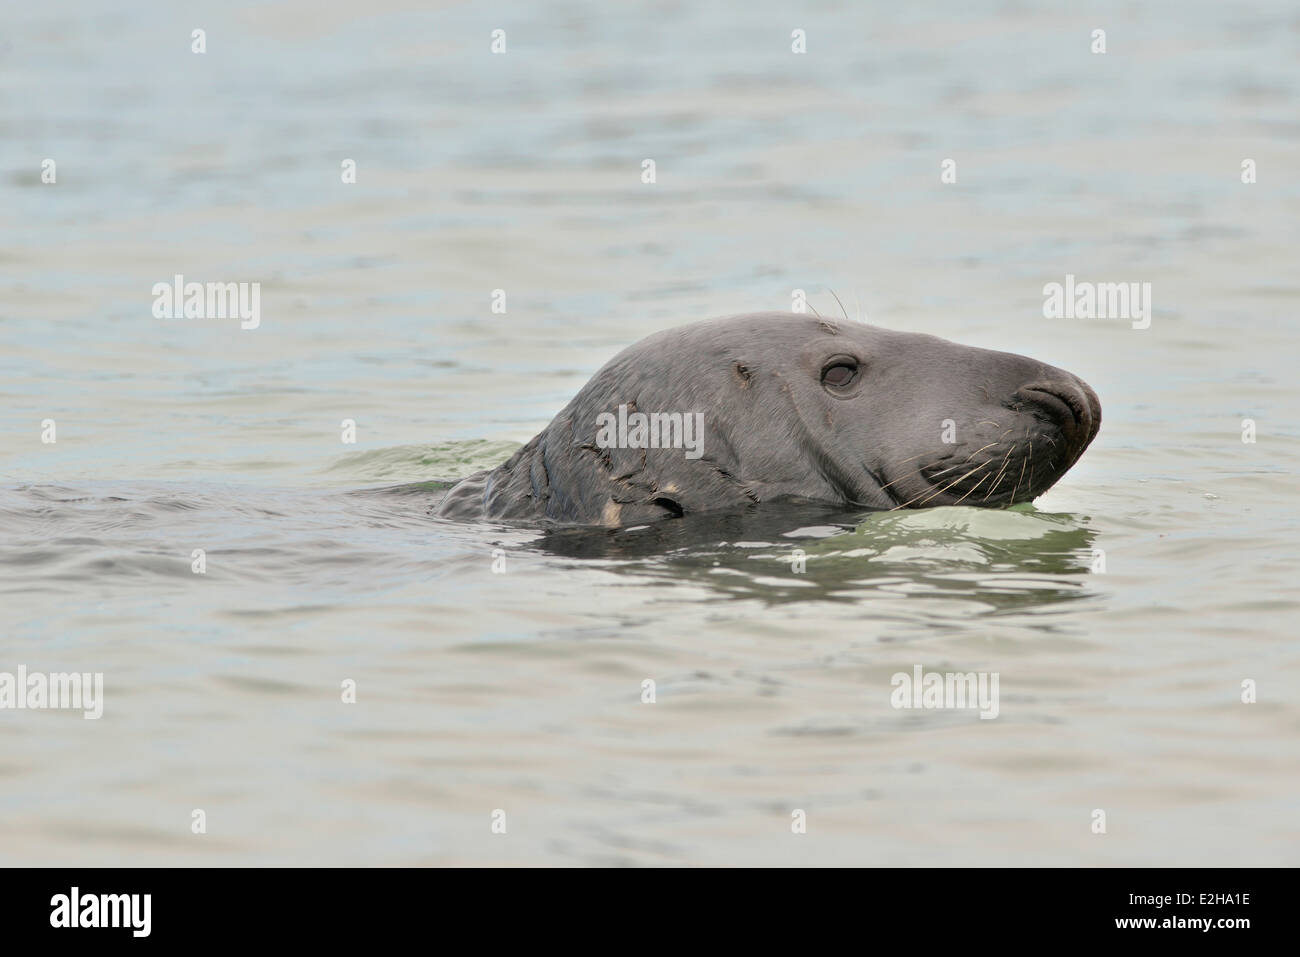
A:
<point x="796" y="409"/>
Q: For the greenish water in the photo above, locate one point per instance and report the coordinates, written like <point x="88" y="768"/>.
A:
<point x="521" y="688"/>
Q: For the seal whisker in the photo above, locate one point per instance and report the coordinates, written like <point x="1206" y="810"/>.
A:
<point x="1006" y="460"/>
<point x="914" y="458"/>
<point x="842" y="309"/>
<point x="954" y="482"/>
<point x="973" y="488"/>
<point x="915" y="472"/>
<point x="978" y="451"/>
<point x="1022" y="475"/>
<point x="962" y="462"/>
<point x="938" y="491"/>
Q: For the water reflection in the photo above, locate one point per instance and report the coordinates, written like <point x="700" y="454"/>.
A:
<point x="1007" y="560"/>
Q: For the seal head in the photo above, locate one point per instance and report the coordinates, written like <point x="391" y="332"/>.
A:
<point x="773" y="407"/>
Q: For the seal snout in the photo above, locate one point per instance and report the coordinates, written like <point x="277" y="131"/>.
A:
<point x="1068" y="403"/>
<point x="1003" y="460"/>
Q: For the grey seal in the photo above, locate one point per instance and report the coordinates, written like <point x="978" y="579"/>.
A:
<point x="754" y="410"/>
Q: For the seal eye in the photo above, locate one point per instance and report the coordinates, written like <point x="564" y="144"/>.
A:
<point x="840" y="374"/>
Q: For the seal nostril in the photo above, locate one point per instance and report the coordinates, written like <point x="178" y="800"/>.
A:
<point x="1064" y="404"/>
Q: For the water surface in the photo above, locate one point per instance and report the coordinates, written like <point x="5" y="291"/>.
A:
<point x="521" y="689"/>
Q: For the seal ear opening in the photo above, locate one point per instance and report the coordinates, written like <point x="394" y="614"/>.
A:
<point x="670" y="506"/>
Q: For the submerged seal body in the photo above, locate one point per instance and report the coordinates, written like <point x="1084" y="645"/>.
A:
<point x="757" y="409"/>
